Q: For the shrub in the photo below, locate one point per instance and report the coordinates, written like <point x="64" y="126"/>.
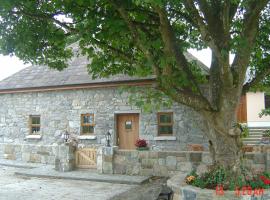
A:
<point x="266" y="133"/>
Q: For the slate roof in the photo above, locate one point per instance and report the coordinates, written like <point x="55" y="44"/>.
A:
<point x="39" y="76"/>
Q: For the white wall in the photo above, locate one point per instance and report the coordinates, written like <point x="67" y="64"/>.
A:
<point x="255" y="104"/>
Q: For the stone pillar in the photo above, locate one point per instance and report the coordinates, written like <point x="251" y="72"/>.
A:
<point x="65" y="158"/>
<point x="100" y="159"/>
<point x="107" y="159"/>
<point x="267" y="163"/>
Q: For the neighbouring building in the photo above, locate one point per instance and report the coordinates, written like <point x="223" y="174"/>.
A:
<point x="251" y="105"/>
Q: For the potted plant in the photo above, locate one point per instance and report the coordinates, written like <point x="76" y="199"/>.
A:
<point x="195" y="147"/>
<point x="141" y="145"/>
<point x="247" y="148"/>
<point x="266" y="137"/>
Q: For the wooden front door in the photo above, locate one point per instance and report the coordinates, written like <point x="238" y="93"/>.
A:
<point x="128" y="130"/>
<point x="86" y="158"/>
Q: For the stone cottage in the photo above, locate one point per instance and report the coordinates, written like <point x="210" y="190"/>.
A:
<point x="38" y="104"/>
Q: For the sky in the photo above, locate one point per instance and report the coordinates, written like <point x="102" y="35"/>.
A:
<point x="10" y="65"/>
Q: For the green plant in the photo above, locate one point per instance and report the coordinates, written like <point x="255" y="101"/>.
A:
<point x="220" y="176"/>
<point x="266" y="133"/>
<point x="244" y="129"/>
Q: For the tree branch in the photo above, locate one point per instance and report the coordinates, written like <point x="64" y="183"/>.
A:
<point x="188" y="99"/>
<point x="248" y="34"/>
<point x="171" y="48"/>
<point x="206" y="36"/>
<point x="45" y="17"/>
<point x="117" y="51"/>
<point x="132" y="28"/>
<point x="257" y="79"/>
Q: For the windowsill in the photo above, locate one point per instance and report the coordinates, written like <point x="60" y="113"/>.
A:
<point x="36" y="137"/>
<point x="162" y="138"/>
<point x="87" y="137"/>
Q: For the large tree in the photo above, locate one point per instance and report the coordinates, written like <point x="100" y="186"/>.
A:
<point x="150" y="37"/>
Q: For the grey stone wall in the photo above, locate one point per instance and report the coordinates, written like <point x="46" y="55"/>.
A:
<point x="158" y="163"/>
<point x="45" y="154"/>
<point x="167" y="163"/>
<point x="60" y="110"/>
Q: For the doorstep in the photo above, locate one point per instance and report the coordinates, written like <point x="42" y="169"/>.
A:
<point x="82" y="175"/>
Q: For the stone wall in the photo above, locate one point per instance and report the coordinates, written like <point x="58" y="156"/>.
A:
<point x="167" y="163"/>
<point x="61" y="110"/>
<point x="45" y="154"/>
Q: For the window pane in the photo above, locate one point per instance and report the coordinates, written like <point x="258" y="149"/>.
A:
<point x="35" y="129"/>
<point x="128" y="125"/>
<point x="35" y="120"/>
<point x="165" y="130"/>
<point x="88" y="119"/>
<point x="87" y="129"/>
<point x="165" y="118"/>
<point x="267" y="101"/>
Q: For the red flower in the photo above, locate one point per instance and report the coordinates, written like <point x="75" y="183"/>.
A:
<point x="265" y="180"/>
<point x="141" y="143"/>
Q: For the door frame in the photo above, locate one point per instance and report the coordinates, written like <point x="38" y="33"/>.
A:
<point x="116" y="114"/>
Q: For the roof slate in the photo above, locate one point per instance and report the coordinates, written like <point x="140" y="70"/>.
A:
<point x="75" y="74"/>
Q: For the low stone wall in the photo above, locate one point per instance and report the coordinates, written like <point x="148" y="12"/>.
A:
<point x="158" y="163"/>
<point x="161" y="163"/>
<point x="45" y="154"/>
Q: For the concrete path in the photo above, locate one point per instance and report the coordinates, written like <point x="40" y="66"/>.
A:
<point x="30" y="188"/>
<point x="18" y="164"/>
<point x="82" y="175"/>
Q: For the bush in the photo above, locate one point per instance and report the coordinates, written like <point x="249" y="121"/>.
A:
<point x="266" y="133"/>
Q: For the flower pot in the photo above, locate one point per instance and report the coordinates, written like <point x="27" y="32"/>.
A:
<point x="142" y="148"/>
<point x="195" y="147"/>
<point x="247" y="148"/>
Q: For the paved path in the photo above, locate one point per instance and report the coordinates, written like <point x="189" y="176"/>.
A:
<point x="25" y="188"/>
<point x="82" y="175"/>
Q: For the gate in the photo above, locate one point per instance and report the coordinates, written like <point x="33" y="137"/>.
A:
<point x="86" y="158"/>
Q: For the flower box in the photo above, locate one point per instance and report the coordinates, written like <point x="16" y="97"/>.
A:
<point x="142" y="148"/>
<point x="195" y="147"/>
<point x="247" y="148"/>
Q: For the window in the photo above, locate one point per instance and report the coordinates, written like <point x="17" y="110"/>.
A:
<point x="34" y="124"/>
<point x="266" y="101"/>
<point x="128" y="125"/>
<point x="165" y="123"/>
<point x="87" y="124"/>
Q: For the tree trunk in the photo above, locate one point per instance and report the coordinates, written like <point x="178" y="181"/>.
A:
<point x="225" y="144"/>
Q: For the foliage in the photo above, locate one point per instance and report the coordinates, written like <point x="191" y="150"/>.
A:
<point x="221" y="177"/>
<point x="266" y="133"/>
<point x="146" y="98"/>
<point x="141" y="143"/>
<point x="265" y="112"/>
<point x="244" y="129"/>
